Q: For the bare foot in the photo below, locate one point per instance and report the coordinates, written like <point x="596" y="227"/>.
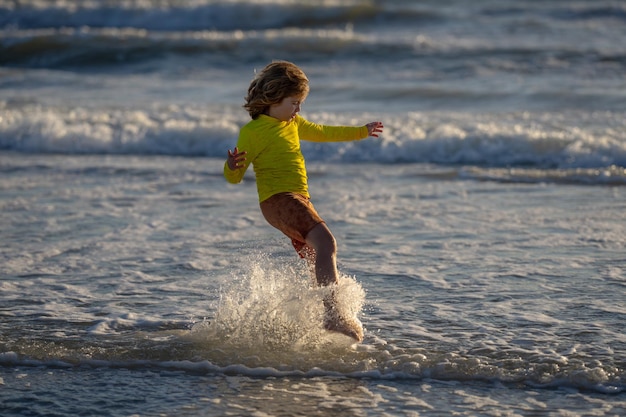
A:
<point x="350" y="327"/>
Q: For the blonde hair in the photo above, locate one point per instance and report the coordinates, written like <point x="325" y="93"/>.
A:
<point x="276" y="81"/>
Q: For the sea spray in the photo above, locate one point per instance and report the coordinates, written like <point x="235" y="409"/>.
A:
<point x="275" y="306"/>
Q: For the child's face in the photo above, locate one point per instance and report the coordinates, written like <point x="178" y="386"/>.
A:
<point x="287" y="109"/>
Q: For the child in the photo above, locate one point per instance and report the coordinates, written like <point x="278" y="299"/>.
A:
<point x="271" y="143"/>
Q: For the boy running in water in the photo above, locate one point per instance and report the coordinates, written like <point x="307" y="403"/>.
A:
<point x="271" y="143"/>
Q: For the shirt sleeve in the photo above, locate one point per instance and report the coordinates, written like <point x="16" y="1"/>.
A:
<point x="233" y="177"/>
<point x="314" y="132"/>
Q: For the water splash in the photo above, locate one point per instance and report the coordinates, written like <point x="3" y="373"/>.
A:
<point x="276" y="307"/>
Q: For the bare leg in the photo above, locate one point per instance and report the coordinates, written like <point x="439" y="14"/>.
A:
<point x="325" y="247"/>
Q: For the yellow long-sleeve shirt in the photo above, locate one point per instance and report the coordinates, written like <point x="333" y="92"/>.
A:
<point x="273" y="148"/>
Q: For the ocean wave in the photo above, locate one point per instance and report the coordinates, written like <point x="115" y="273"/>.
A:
<point x="419" y="53"/>
<point x="567" y="140"/>
<point x="176" y="15"/>
<point x="98" y="47"/>
<point x="63" y="33"/>
<point x="419" y="60"/>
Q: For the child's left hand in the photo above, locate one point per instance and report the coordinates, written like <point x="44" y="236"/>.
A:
<point x="374" y="128"/>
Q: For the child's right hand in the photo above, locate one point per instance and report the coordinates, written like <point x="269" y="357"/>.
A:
<point x="235" y="159"/>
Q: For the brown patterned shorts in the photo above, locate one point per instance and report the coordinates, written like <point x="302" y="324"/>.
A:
<point x="293" y="214"/>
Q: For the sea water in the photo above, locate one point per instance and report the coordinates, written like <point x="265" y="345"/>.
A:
<point x="481" y="239"/>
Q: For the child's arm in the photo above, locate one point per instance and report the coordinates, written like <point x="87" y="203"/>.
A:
<point x="322" y="133"/>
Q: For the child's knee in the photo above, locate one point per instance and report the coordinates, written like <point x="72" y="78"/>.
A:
<point x="329" y="245"/>
<point x="322" y="239"/>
